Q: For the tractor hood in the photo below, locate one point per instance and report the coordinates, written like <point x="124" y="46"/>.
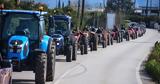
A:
<point x="57" y="37"/>
<point x="18" y="47"/>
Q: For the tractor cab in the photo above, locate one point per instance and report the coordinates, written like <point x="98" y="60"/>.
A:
<point x="61" y="25"/>
<point x="21" y="29"/>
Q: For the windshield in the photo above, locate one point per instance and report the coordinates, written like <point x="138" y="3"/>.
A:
<point x="20" y="22"/>
<point x="61" y="25"/>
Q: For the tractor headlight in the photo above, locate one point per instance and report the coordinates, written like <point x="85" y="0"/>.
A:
<point x="11" y="50"/>
<point x="57" y="43"/>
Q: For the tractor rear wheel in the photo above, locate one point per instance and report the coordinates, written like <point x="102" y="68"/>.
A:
<point x="69" y="53"/>
<point x="85" y="49"/>
<point x="104" y="44"/>
<point x="95" y="43"/>
<point x="50" y="63"/>
<point x="40" y="68"/>
<point x="82" y="49"/>
<point x="91" y="46"/>
<point x="127" y="37"/>
<point x="111" y="40"/>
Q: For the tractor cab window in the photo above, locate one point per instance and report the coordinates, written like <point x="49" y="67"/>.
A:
<point x="20" y="23"/>
<point x="61" y="25"/>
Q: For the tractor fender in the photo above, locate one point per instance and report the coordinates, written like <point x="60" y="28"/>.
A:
<point x="44" y="43"/>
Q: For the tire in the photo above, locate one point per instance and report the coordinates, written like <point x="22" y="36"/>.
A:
<point x="91" y="46"/>
<point x="69" y="53"/>
<point x="85" y="49"/>
<point x="104" y="44"/>
<point x="95" y="46"/>
<point x="127" y="37"/>
<point x="74" y="53"/>
<point x="82" y="49"/>
<point x="111" y="40"/>
<point x="95" y="43"/>
<point x="108" y="40"/>
<point x="117" y="39"/>
<point x="50" y="63"/>
<point x="121" y="38"/>
<point x="40" y="68"/>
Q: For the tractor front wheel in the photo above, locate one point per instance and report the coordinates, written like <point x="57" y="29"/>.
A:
<point x="74" y="56"/>
<point x="40" y="68"/>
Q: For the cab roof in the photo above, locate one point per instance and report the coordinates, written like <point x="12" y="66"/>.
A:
<point x="25" y="12"/>
<point x="64" y="17"/>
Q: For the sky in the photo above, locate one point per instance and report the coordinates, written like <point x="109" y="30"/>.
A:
<point x="95" y="3"/>
<point x="52" y="3"/>
<point x="152" y="3"/>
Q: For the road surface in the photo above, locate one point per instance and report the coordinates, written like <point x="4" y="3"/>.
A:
<point x="117" y="64"/>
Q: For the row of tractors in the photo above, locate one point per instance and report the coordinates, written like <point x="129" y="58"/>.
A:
<point x="68" y="42"/>
<point x="27" y="45"/>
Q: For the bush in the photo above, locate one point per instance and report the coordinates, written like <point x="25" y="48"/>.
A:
<point x="155" y="53"/>
<point x="153" y="69"/>
<point x="153" y="64"/>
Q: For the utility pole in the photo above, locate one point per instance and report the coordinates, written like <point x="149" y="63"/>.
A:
<point x="104" y="3"/>
<point x="59" y="4"/>
<point x="78" y="13"/>
<point x="56" y="4"/>
<point x="69" y="3"/>
<point x="135" y="4"/>
<point x="82" y="13"/>
<point x="159" y="8"/>
<point x="147" y="8"/>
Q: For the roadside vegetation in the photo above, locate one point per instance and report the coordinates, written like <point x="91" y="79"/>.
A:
<point x="152" y="66"/>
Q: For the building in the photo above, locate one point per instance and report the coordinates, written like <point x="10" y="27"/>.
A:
<point x="147" y="7"/>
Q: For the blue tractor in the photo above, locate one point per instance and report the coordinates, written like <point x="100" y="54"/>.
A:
<point x="60" y="29"/>
<point x="25" y="43"/>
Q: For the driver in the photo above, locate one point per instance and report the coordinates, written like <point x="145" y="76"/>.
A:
<point x="23" y="28"/>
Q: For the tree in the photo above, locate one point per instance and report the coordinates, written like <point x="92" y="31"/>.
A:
<point x="125" y="6"/>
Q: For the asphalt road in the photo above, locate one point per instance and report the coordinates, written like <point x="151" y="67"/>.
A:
<point x="117" y="64"/>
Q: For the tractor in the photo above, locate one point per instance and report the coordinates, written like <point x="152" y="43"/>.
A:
<point x="60" y="29"/>
<point x="83" y="40"/>
<point x="93" y="39"/>
<point x="102" y="37"/>
<point x="25" y="43"/>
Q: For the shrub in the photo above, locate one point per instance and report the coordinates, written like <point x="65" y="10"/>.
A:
<point x="153" y="69"/>
<point x="152" y="66"/>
